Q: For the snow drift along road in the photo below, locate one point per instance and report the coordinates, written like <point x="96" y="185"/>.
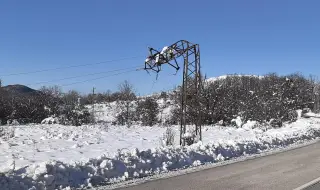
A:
<point x="136" y="163"/>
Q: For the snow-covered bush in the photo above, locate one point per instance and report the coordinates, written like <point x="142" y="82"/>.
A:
<point x="305" y="112"/>
<point x="79" y="116"/>
<point x="127" y="112"/>
<point x="6" y="132"/>
<point x="249" y="125"/>
<point x="168" y="136"/>
<point x="147" y="111"/>
<point x="189" y="138"/>
<point x="13" y="122"/>
<point x="292" y="116"/>
<point x="76" y="116"/>
<point x="50" y="120"/>
<point x="256" y="98"/>
<point x="237" y="122"/>
<point x="276" y="123"/>
<point x="174" y="117"/>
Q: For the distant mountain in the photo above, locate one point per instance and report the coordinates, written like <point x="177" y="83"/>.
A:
<point x="20" y="89"/>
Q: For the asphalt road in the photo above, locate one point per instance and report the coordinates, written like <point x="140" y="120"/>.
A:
<point x="313" y="187"/>
<point x="286" y="170"/>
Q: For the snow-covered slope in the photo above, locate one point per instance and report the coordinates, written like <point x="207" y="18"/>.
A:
<point x="107" y="112"/>
<point x="213" y="79"/>
<point x="56" y="156"/>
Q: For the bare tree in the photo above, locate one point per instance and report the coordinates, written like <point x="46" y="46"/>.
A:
<point x="127" y="91"/>
<point x="71" y="98"/>
<point x="54" y="91"/>
<point x="126" y="96"/>
<point x="107" y="96"/>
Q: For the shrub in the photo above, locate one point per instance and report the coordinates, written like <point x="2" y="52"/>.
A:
<point x="6" y="132"/>
<point x="276" y="123"/>
<point x="168" y="136"/>
<point x="147" y="111"/>
<point x="292" y="116"/>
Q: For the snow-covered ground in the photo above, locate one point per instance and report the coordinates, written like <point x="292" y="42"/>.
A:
<point x="37" y="143"/>
<point x="56" y="156"/>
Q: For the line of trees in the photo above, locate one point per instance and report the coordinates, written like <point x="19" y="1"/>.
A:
<point x="263" y="99"/>
<point x="271" y="98"/>
<point x="34" y="106"/>
<point x="27" y="108"/>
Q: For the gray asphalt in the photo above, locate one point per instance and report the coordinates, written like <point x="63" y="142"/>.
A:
<point x="286" y="170"/>
<point x="313" y="187"/>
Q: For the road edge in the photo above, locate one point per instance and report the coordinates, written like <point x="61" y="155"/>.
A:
<point x="304" y="186"/>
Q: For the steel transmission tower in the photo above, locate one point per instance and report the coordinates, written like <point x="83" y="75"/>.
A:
<point x="192" y="82"/>
<point x="316" y="98"/>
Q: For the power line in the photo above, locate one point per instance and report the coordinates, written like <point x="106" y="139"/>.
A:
<point x="99" y="78"/>
<point x="68" y="67"/>
<point x="79" y="76"/>
<point x="153" y="83"/>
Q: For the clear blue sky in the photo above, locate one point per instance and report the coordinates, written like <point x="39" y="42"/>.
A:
<point x="246" y="37"/>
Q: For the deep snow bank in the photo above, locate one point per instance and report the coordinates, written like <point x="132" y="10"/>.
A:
<point x="135" y="164"/>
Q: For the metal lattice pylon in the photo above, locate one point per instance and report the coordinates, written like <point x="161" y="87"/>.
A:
<point x="191" y="85"/>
